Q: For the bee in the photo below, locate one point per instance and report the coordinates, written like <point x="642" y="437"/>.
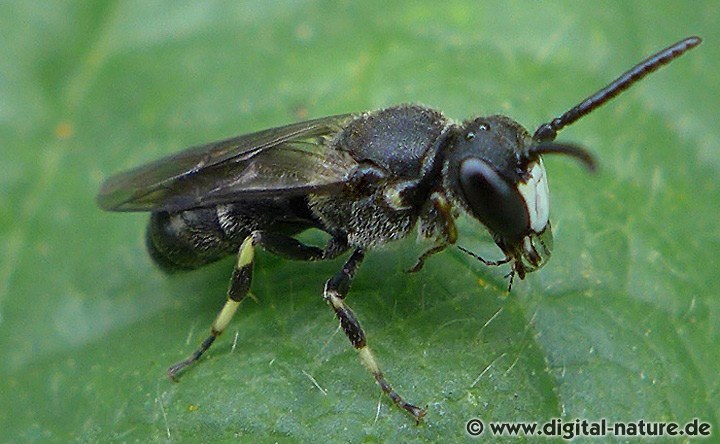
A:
<point x="365" y="179"/>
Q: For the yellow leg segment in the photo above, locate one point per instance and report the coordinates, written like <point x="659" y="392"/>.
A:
<point x="239" y="287"/>
<point x="335" y="290"/>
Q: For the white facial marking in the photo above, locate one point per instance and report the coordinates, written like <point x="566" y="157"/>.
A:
<point x="537" y="197"/>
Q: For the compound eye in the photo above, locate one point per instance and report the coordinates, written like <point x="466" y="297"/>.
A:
<point x="492" y="200"/>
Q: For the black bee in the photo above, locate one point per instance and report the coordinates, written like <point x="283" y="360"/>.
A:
<point x="365" y="179"/>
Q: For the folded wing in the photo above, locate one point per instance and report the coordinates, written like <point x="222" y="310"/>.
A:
<point x="289" y="160"/>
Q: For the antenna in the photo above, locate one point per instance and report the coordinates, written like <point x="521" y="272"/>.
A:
<point x="579" y="153"/>
<point x="548" y="131"/>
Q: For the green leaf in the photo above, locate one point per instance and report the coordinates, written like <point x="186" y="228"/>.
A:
<point x="622" y="323"/>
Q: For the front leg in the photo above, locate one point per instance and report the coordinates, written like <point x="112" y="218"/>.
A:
<point x="336" y="288"/>
<point x="448" y="234"/>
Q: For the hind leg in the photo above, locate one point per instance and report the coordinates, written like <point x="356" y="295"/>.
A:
<point x="282" y="245"/>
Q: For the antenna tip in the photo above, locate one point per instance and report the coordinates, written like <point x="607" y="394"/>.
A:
<point x="692" y="41"/>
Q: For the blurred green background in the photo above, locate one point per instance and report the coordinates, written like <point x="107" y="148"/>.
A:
<point x="622" y="323"/>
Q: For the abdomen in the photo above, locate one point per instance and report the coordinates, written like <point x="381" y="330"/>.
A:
<point x="192" y="238"/>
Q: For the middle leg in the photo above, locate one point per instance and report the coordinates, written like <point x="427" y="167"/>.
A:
<point x="336" y="288"/>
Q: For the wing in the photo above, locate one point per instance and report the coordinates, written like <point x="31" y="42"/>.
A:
<point x="293" y="159"/>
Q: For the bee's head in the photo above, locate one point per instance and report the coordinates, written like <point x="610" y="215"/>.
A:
<point x="494" y="169"/>
<point x="495" y="172"/>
